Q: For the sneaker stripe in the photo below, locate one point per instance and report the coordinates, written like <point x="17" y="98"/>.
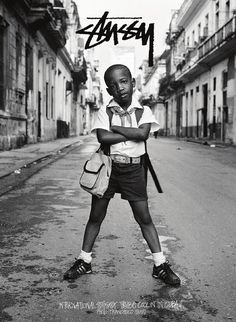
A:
<point x="163" y="275"/>
<point x="160" y="273"/>
<point x="81" y="269"/>
<point x="77" y="269"/>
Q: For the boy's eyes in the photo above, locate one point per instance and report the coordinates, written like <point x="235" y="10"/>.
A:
<point x="123" y="81"/>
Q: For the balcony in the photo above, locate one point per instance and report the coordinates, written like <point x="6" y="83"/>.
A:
<point x="50" y="20"/>
<point x="190" y="58"/>
<point x="212" y="50"/>
<point x="219" y="38"/>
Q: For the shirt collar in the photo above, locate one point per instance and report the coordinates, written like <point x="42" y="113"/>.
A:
<point x="134" y="104"/>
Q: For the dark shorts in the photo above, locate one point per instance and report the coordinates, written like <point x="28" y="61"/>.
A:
<point x="129" y="180"/>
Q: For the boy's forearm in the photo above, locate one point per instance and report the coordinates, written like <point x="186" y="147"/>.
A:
<point x="107" y="137"/>
<point x="131" y="133"/>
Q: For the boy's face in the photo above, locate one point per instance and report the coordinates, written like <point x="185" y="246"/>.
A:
<point x="120" y="86"/>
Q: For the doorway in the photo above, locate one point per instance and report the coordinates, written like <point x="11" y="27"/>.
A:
<point x="204" y="109"/>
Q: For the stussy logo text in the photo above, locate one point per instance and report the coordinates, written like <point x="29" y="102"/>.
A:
<point x="103" y="31"/>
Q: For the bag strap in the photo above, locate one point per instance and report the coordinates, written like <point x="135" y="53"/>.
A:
<point x="138" y="114"/>
<point x="110" y="114"/>
<point x="148" y="166"/>
<point x="106" y="147"/>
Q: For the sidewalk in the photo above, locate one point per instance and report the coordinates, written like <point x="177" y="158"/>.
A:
<point x="17" y="158"/>
<point x="213" y="143"/>
<point x="203" y="141"/>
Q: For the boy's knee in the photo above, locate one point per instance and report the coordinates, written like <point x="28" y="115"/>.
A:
<point x="144" y="221"/>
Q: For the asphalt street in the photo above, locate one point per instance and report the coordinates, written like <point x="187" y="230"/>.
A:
<point x="41" y="230"/>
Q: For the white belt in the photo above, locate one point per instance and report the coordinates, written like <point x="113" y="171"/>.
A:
<point x="117" y="158"/>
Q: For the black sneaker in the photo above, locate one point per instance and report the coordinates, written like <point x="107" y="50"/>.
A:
<point x="77" y="269"/>
<point x="165" y="273"/>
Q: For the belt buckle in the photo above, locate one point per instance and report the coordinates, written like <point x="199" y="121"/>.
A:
<point x="120" y="159"/>
<point x="125" y="159"/>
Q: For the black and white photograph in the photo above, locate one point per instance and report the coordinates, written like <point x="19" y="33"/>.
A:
<point x="117" y="160"/>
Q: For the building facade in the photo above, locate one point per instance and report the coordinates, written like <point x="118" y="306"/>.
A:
<point x="93" y="93"/>
<point x="148" y="84"/>
<point x="200" y="88"/>
<point x="39" y="77"/>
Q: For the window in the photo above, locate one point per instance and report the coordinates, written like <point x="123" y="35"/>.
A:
<point x="193" y="38"/>
<point x="214" y="102"/>
<point x="227" y="10"/>
<point x="214" y="108"/>
<point x="29" y="67"/>
<point x="224" y="79"/>
<point x="217" y="20"/>
<point x="18" y="52"/>
<point x="187" y="42"/>
<point x="224" y="98"/>
<point x="191" y="92"/>
<point x="205" y="29"/>
<point x="3" y="61"/>
<point x="207" y="20"/>
<point x="214" y="83"/>
<point x="47" y="101"/>
<point x="199" y="32"/>
<point x="52" y="102"/>
<point x="217" y="6"/>
<point x="197" y="89"/>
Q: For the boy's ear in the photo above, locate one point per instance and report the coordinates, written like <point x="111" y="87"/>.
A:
<point x="133" y="82"/>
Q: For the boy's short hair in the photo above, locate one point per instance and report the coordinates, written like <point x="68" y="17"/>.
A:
<point x="113" y="67"/>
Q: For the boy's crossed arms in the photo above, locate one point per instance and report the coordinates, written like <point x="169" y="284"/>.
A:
<point x="121" y="134"/>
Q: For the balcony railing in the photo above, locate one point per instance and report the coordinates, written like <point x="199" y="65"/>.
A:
<point x="191" y="56"/>
<point x="211" y="49"/>
<point x="218" y="37"/>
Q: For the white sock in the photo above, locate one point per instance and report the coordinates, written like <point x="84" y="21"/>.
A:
<point x="87" y="257"/>
<point x="158" y="258"/>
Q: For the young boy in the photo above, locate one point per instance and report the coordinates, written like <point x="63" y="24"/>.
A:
<point x="126" y="139"/>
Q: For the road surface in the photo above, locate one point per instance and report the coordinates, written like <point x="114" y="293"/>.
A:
<point x="41" y="231"/>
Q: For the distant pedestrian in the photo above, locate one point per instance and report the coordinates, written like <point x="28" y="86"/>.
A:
<point x="126" y="137"/>
<point x="155" y="134"/>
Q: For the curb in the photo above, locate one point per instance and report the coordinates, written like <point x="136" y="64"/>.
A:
<point x="38" y="159"/>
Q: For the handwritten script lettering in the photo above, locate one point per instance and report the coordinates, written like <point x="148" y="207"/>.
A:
<point x="103" y="31"/>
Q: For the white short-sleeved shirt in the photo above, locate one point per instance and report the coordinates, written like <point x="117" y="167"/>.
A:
<point x="128" y="148"/>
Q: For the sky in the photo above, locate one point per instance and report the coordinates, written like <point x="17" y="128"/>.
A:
<point x="158" y="12"/>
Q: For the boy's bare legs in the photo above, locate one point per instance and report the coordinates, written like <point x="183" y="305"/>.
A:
<point x="97" y="215"/>
<point x="143" y="218"/>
